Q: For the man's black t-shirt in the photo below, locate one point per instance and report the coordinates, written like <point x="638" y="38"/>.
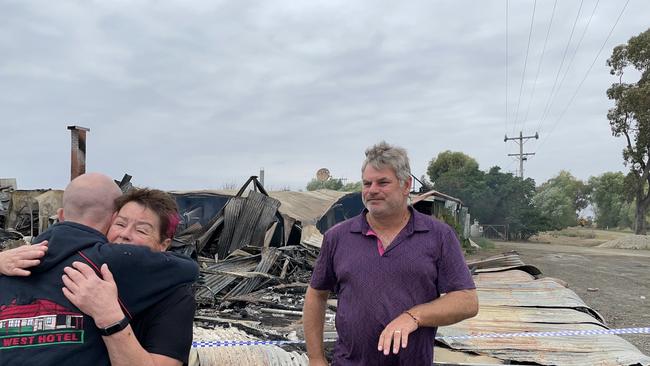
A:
<point x="165" y="328"/>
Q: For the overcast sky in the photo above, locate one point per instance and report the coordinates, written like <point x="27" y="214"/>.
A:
<point x="202" y="94"/>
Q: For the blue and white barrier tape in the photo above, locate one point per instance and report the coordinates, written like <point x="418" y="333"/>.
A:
<point x="563" y="333"/>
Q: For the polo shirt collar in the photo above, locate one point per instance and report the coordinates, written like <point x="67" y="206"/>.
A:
<point x="417" y="222"/>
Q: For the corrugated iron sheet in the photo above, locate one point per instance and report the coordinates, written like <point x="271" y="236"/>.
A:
<point x="513" y="301"/>
<point x="584" y="350"/>
<point x="307" y="207"/>
<point x="214" y="282"/>
<point x="503" y="260"/>
<point x="446" y="357"/>
<point x="543" y="292"/>
<point x="240" y="356"/>
<point x="246" y="221"/>
<point x="315" y="239"/>
<point x="514" y="275"/>
<point x="498" y="314"/>
<point x="269" y="257"/>
<point x="532" y="270"/>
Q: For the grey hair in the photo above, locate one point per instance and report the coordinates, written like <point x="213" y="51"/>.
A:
<point x="384" y="155"/>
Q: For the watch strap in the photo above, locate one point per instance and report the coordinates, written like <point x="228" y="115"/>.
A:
<point x="114" y="328"/>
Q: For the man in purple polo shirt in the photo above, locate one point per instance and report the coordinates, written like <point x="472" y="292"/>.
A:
<point x="388" y="267"/>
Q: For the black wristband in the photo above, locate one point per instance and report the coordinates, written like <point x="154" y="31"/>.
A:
<point x="114" y="328"/>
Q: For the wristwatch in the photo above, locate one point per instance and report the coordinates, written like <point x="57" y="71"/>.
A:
<point x="114" y="328"/>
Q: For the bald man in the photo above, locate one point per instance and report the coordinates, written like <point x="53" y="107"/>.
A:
<point x="90" y="200"/>
<point x="39" y="325"/>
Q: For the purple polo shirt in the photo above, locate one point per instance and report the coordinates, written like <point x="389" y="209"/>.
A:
<point x="423" y="261"/>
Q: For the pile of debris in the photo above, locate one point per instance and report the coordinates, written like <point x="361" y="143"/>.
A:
<point x="10" y="238"/>
<point x="246" y="249"/>
<point x="628" y="242"/>
<point x="28" y="212"/>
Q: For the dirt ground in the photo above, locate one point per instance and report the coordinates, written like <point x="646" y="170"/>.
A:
<point x="614" y="282"/>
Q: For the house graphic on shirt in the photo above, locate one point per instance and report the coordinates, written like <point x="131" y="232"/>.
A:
<point x="40" y="323"/>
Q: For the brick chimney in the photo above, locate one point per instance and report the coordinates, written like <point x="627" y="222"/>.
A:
<point x="78" y="152"/>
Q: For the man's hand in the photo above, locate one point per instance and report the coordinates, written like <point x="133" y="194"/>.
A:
<point x="14" y="262"/>
<point x="396" y="332"/>
<point x="92" y="295"/>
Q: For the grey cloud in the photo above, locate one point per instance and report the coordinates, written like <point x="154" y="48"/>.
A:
<point x="205" y="94"/>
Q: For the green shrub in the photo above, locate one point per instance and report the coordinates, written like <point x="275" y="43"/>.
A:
<point x="484" y="243"/>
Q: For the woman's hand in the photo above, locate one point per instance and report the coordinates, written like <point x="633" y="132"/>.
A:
<point x="94" y="296"/>
<point x="14" y="262"/>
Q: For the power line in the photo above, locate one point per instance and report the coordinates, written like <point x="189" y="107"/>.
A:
<point x="611" y="31"/>
<point x="539" y="67"/>
<point x="560" y="68"/>
<point x="523" y="75"/>
<point x="507" y="5"/>
<point x="575" y="52"/>
<point x="582" y="36"/>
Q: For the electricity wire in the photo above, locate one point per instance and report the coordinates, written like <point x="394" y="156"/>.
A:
<point x="523" y="75"/>
<point x="575" y="52"/>
<point x="557" y="76"/>
<point x="539" y="67"/>
<point x="611" y="31"/>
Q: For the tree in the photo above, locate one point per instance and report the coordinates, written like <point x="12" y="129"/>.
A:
<point x="448" y="161"/>
<point x="609" y="198"/>
<point x="457" y="174"/>
<point x="493" y="197"/>
<point x="512" y="204"/>
<point x="561" y="198"/>
<point x="556" y="205"/>
<point x="352" y="187"/>
<point x="333" y="184"/>
<point x="469" y="186"/>
<point x="630" y="117"/>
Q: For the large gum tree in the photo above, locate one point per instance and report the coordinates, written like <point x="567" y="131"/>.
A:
<point x="630" y="116"/>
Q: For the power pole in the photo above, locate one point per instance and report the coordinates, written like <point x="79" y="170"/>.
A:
<point x="522" y="155"/>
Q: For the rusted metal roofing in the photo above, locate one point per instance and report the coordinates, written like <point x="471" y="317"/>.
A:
<point x="504" y="260"/>
<point x="557" y="350"/>
<point x="445" y="357"/>
<point x="514" y="275"/>
<point x="543" y="292"/>
<point x="307" y="207"/>
<point x="434" y="195"/>
<point x="514" y="301"/>
<point x="312" y="237"/>
<point x="217" y="277"/>
<point x="499" y="314"/>
<point x="246" y="222"/>
<point x="269" y="256"/>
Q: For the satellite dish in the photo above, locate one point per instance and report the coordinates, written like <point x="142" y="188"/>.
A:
<point x="323" y="174"/>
